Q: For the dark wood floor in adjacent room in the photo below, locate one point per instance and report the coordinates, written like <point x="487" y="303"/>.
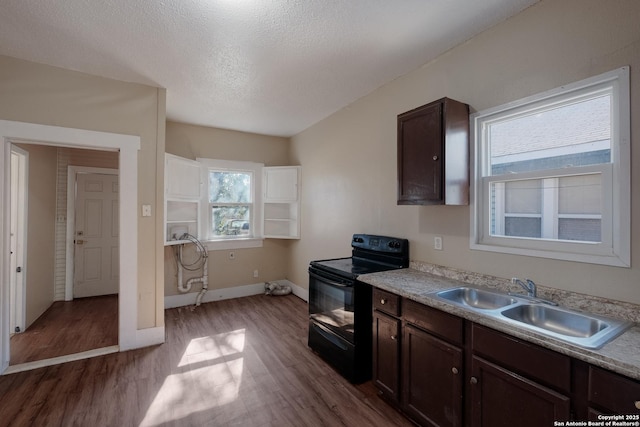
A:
<point x="68" y="327"/>
<point x="240" y="362"/>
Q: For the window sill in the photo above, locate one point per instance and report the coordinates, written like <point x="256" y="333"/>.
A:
<point x="222" y="244"/>
<point x="613" y="260"/>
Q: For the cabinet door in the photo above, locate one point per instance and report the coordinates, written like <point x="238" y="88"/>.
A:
<point x="432" y="379"/>
<point x="386" y="355"/>
<point x="420" y="160"/>
<point x="182" y="178"/>
<point x="501" y="398"/>
<point x="280" y="184"/>
<point x="610" y="393"/>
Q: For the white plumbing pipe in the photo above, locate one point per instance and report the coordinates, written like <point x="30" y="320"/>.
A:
<point x="186" y="287"/>
<point x="182" y="288"/>
<point x="204" y="279"/>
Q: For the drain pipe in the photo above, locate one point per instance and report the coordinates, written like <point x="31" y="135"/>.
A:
<point x="204" y="279"/>
<point x="181" y="287"/>
<point x="186" y="287"/>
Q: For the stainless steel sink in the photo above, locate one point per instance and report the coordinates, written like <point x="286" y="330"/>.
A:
<point x="477" y="298"/>
<point x="586" y="330"/>
<point x="582" y="329"/>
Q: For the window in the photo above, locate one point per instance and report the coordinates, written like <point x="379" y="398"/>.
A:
<point x="551" y="174"/>
<point x="232" y="211"/>
<point x="230" y="202"/>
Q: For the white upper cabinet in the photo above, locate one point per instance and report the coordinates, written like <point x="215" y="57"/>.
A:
<point x="181" y="177"/>
<point x="281" y="184"/>
<point x="281" y="201"/>
<point x="183" y="187"/>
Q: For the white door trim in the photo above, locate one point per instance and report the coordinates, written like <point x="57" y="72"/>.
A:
<point x="72" y="172"/>
<point x="128" y="146"/>
<point x="19" y="303"/>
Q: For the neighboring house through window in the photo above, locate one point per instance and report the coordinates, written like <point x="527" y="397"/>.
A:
<point x="551" y="173"/>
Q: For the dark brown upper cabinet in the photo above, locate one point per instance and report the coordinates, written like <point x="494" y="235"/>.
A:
<point x="433" y="154"/>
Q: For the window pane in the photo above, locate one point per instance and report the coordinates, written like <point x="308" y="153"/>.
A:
<point x="576" y="134"/>
<point x="231" y="220"/>
<point x="516" y="208"/>
<point x="523" y="196"/>
<point x="523" y="227"/>
<point x="585" y="230"/>
<point x="229" y="187"/>
<point x="580" y="194"/>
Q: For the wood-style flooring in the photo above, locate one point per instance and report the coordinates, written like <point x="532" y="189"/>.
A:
<point x="240" y="362"/>
<point x="68" y="327"/>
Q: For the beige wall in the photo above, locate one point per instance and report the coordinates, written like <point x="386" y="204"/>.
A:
<point x="271" y="260"/>
<point x="349" y="159"/>
<point x="40" y="230"/>
<point x="41" y="94"/>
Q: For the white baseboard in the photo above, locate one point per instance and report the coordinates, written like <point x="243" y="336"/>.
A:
<point x="61" y="359"/>
<point x="183" y="300"/>
<point x="301" y="293"/>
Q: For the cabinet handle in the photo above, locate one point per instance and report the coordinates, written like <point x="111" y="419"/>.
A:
<point x="473" y="380"/>
<point x="383" y="301"/>
<point x="435" y="157"/>
<point x="454" y="370"/>
<point x="637" y="404"/>
<point x="394" y="337"/>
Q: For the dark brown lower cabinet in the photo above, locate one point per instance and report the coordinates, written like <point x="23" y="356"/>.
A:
<point x="432" y="379"/>
<point x="500" y="397"/>
<point x="386" y="355"/>
<point x="441" y="370"/>
<point x="611" y="394"/>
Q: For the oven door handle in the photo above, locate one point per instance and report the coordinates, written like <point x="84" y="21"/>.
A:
<point x="329" y="281"/>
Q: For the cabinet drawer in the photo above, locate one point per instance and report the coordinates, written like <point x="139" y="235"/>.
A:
<point x="444" y="325"/>
<point x="386" y="302"/>
<point x="544" y="366"/>
<point x="614" y="393"/>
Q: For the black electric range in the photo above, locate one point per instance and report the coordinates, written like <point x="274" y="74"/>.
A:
<point x="340" y="307"/>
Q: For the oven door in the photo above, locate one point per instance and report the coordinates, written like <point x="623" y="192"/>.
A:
<point x="331" y="302"/>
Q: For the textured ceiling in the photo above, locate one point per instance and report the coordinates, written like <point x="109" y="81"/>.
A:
<point x="273" y="67"/>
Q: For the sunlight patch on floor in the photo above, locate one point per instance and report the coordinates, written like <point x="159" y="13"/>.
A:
<point x="210" y="376"/>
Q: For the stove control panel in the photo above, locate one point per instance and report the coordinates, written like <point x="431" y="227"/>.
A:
<point x="380" y="244"/>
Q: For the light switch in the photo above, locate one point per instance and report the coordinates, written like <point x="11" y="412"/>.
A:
<point x="146" y="210"/>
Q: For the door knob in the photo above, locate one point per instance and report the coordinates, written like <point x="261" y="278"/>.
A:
<point x="394" y="337"/>
<point x="473" y="380"/>
<point x="79" y="242"/>
<point x="383" y="301"/>
<point x="435" y="157"/>
<point x="454" y="370"/>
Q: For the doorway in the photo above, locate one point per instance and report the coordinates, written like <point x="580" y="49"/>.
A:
<point x="127" y="145"/>
<point x="55" y="328"/>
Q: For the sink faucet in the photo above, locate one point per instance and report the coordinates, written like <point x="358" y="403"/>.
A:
<point x="529" y="286"/>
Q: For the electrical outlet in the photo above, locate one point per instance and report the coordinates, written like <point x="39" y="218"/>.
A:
<point x="437" y="243"/>
<point x="232" y="255"/>
<point x="146" y="210"/>
<point x="255" y="273"/>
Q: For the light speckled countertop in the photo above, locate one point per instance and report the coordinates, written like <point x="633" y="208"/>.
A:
<point x="621" y="355"/>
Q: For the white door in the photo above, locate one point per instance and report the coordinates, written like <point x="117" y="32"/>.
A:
<point x="19" y="167"/>
<point x="96" y="269"/>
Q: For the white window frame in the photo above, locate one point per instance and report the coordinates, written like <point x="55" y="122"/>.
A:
<point x="255" y="240"/>
<point x="615" y="248"/>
